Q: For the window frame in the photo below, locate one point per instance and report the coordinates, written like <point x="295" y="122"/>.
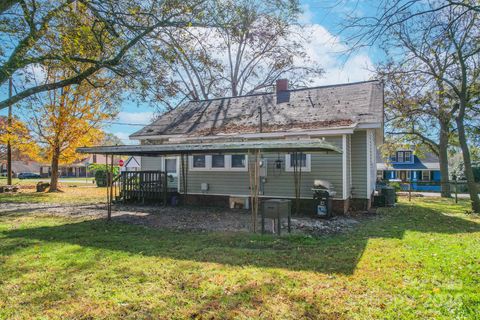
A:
<point x="429" y="175"/>
<point x="306" y="168"/>
<point x="192" y="163"/>
<point x="208" y="163"/>
<point x="405" y="156"/>
<point x="398" y="156"/>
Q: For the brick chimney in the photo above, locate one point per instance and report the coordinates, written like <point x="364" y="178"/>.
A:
<point x="282" y="85"/>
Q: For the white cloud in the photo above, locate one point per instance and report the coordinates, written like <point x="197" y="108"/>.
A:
<point x="135" y="117"/>
<point x="329" y="52"/>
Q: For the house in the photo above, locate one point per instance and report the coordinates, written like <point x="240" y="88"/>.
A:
<point x="329" y="133"/>
<point x="405" y="166"/>
<point x="132" y="164"/>
<point x="19" y="166"/>
<point x="77" y="169"/>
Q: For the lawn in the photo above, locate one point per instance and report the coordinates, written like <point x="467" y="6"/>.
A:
<point x="416" y="261"/>
<point x="70" y="194"/>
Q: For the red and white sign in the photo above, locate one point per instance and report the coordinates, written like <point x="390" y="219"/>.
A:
<point x="120" y="163"/>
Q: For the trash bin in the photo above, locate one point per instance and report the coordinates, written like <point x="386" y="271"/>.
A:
<point x="389" y="194"/>
<point x="322" y="203"/>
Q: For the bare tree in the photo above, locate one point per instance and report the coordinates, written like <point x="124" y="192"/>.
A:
<point x="441" y="44"/>
<point x="32" y="33"/>
<point x="418" y="111"/>
<point x="250" y="45"/>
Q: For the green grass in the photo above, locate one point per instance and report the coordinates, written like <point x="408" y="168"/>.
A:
<point x="32" y="182"/>
<point x="69" y="195"/>
<point x="419" y="260"/>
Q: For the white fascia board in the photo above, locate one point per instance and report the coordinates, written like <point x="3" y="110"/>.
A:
<point x="344" y="167"/>
<point x="369" y="125"/>
<point x="325" y="132"/>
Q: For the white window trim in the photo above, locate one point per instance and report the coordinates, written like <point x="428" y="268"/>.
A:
<point x="429" y="175"/>
<point x="208" y="164"/>
<point x="405" y="157"/>
<point x="306" y="168"/>
<point x="163" y="166"/>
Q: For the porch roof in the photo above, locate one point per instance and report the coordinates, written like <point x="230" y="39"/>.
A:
<point x="310" y="145"/>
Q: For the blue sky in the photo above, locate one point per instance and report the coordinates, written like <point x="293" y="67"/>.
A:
<point x="326" y="44"/>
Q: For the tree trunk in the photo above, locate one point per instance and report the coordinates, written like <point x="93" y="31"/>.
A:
<point x="443" y="159"/>
<point x="472" y="187"/>
<point x="54" y="177"/>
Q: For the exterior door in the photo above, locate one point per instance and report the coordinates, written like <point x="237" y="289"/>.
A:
<point x="403" y="175"/>
<point x="170" y="166"/>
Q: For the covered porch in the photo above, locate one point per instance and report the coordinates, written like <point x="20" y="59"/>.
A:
<point x="144" y="186"/>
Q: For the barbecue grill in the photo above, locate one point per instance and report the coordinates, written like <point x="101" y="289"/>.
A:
<point x="323" y="192"/>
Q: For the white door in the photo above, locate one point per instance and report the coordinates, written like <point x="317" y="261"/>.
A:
<point x="171" y="166"/>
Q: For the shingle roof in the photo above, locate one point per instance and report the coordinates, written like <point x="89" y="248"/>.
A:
<point x="428" y="161"/>
<point x="294" y="110"/>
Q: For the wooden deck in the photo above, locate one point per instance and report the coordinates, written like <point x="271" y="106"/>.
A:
<point x="143" y="186"/>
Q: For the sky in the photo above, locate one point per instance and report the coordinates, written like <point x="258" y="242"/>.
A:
<point x="323" y="20"/>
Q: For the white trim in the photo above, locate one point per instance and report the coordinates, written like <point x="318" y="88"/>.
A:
<point x="306" y="168"/>
<point x="330" y="131"/>
<point x="344" y="167"/>
<point x="350" y="164"/>
<point x="370" y="125"/>
<point x="208" y="164"/>
<point x="369" y="178"/>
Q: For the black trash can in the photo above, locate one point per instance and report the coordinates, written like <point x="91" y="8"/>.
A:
<point x="389" y="194"/>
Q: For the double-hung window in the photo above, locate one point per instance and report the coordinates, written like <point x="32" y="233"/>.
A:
<point x="408" y="156"/>
<point x="301" y="160"/>
<point x="400" y="156"/>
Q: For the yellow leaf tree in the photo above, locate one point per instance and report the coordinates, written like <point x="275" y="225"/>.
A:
<point x="69" y="118"/>
<point x="22" y="142"/>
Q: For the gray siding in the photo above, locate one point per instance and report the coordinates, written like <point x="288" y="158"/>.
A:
<point x="151" y="163"/>
<point x="279" y="183"/>
<point x="155" y="163"/>
<point x="359" y="164"/>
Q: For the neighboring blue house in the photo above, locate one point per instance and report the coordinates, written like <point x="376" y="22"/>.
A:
<point x="404" y="166"/>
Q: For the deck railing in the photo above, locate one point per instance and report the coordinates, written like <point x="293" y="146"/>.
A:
<point x="143" y="186"/>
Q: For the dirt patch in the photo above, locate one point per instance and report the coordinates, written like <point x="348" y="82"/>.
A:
<point x="186" y="218"/>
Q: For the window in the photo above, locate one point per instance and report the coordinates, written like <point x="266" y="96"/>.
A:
<point x="238" y="161"/>
<point x="171" y="166"/>
<point x="218" y="161"/>
<point x="408" y="156"/>
<point x="426" y="175"/>
<point x="379" y="175"/>
<point x="393" y="158"/>
<point x="302" y="159"/>
<point x="400" y="157"/>
<point x="199" y="162"/>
